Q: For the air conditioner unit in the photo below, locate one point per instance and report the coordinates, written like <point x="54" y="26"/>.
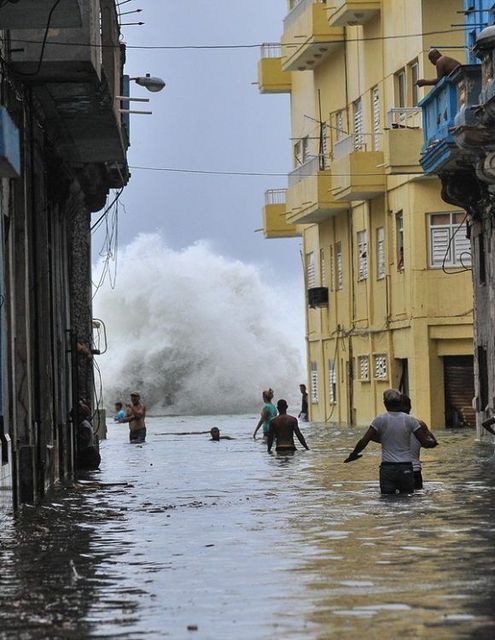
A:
<point x="318" y="297"/>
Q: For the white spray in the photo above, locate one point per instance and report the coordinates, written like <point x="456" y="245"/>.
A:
<point x="197" y="333"/>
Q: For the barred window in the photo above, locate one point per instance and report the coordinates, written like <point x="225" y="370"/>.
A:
<point x="380" y="253"/>
<point x="332" y="381"/>
<point x="362" y="246"/>
<point x="364" y="367"/>
<point x="314" y="383"/>
<point x="381" y="371"/>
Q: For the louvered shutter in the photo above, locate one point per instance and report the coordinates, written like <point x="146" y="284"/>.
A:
<point x="377" y="130"/>
<point x="358" y="125"/>
<point x="462" y="247"/>
<point x="440" y="250"/>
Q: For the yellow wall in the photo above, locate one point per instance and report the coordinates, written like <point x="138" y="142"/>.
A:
<point x="411" y="313"/>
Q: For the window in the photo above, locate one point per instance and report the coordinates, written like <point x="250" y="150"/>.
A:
<point x="357" y="110"/>
<point x="363" y="368"/>
<point x="449" y="245"/>
<point x="376" y="111"/>
<point x="314" y="383"/>
<point x="339" y="125"/>
<point x="301" y="151"/>
<point x="310" y="270"/>
<point x="323" y="151"/>
<point x="380" y="253"/>
<point x="362" y="247"/>
<point x="339" y="266"/>
<point x="332" y="382"/>
<point x="414" y="75"/>
<point x="380" y="368"/>
<point x="332" y="270"/>
<point x="323" y="269"/>
<point x="400" y="88"/>
<point x="399" y="237"/>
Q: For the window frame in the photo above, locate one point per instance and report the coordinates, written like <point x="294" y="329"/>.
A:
<point x="454" y="228"/>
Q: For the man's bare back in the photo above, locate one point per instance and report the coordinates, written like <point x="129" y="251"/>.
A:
<point x="282" y="430"/>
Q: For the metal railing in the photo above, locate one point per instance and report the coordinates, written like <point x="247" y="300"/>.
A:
<point x="404" y="118"/>
<point x="306" y="170"/>
<point x="275" y="196"/>
<point x="271" y="50"/>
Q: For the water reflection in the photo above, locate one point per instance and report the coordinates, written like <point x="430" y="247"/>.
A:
<point x="183" y="532"/>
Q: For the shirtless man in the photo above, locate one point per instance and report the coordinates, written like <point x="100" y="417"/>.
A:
<point x="135" y="415"/>
<point x="282" y="430"/>
<point x="444" y="65"/>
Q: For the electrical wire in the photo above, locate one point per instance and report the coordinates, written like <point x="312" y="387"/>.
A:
<point x="206" y="47"/>
<point x="447" y="251"/>
<point x="43" y="43"/>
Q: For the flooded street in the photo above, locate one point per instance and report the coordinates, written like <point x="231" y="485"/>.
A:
<point x="189" y="538"/>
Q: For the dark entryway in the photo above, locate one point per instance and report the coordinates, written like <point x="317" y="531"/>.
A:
<point x="459" y="391"/>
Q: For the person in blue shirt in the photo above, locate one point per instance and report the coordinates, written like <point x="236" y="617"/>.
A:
<point x="119" y="412"/>
<point x="268" y="412"/>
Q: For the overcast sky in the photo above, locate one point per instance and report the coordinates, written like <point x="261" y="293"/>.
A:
<point x="209" y="117"/>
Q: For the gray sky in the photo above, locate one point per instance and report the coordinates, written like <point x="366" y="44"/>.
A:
<point x="210" y="116"/>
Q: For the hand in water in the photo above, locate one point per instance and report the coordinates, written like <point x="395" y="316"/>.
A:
<point x="351" y="458"/>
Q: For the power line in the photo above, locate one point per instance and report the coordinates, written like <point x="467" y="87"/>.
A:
<point x="240" y="46"/>
<point x="262" y="173"/>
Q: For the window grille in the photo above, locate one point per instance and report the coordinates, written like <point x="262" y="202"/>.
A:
<point x="364" y="367"/>
<point x="339" y="266"/>
<point x="381" y="372"/>
<point x="380" y="253"/>
<point x="332" y="381"/>
<point x="362" y="245"/>
<point x="314" y="383"/>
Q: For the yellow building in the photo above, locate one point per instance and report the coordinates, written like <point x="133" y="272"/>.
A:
<point x="387" y="262"/>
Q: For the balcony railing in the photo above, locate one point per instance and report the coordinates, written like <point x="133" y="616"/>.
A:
<point x="404" y="118"/>
<point x="275" y="196"/>
<point x="306" y="170"/>
<point x="357" y="142"/>
<point x="271" y="50"/>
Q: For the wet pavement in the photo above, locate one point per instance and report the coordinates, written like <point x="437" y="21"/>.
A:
<point x="186" y="538"/>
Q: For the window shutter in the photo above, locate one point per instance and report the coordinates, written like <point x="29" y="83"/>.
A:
<point x="358" y="125"/>
<point x="440" y="252"/>
<point x="314" y="383"/>
<point x="332" y="381"/>
<point x="462" y="247"/>
<point x="380" y="252"/>
<point x="310" y="270"/>
<point x="377" y="130"/>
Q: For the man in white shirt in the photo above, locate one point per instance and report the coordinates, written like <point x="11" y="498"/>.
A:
<point x="393" y="430"/>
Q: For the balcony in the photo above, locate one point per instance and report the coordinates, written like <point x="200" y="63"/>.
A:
<point x="271" y="77"/>
<point x="33" y="14"/>
<point x="308" y="196"/>
<point x="440" y="153"/>
<point x="357" y="174"/>
<point x="275" y="223"/>
<point x="350" y="13"/>
<point x="402" y="140"/>
<point x="308" y="39"/>
<point x="76" y="83"/>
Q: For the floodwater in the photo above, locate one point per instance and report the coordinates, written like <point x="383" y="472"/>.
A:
<point x="185" y="538"/>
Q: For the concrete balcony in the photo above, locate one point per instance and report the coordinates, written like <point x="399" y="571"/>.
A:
<point x="77" y="81"/>
<point x="308" y="39"/>
<point x="271" y="77"/>
<point x="275" y="223"/>
<point x="357" y="174"/>
<point x="402" y="141"/>
<point x="308" y="197"/>
<point x="34" y="14"/>
<point x="353" y="12"/>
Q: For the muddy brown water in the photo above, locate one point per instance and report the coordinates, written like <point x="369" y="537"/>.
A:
<point x="189" y="538"/>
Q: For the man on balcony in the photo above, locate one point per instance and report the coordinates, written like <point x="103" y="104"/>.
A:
<point x="444" y="65"/>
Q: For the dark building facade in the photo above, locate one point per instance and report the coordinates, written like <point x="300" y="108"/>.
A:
<point x="459" y="128"/>
<point x="62" y="149"/>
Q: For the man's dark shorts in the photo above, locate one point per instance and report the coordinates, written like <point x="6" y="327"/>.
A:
<point x="396" y="477"/>
<point x="418" y="480"/>
<point x="137" y="436"/>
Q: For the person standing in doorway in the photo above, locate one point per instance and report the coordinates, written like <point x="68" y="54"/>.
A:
<point x="268" y="412"/>
<point x="135" y="415"/>
<point x="303" y="415"/>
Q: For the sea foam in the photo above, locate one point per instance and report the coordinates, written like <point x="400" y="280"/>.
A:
<point x="197" y="333"/>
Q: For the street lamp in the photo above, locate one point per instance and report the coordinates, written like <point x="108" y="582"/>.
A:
<point x="151" y="83"/>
